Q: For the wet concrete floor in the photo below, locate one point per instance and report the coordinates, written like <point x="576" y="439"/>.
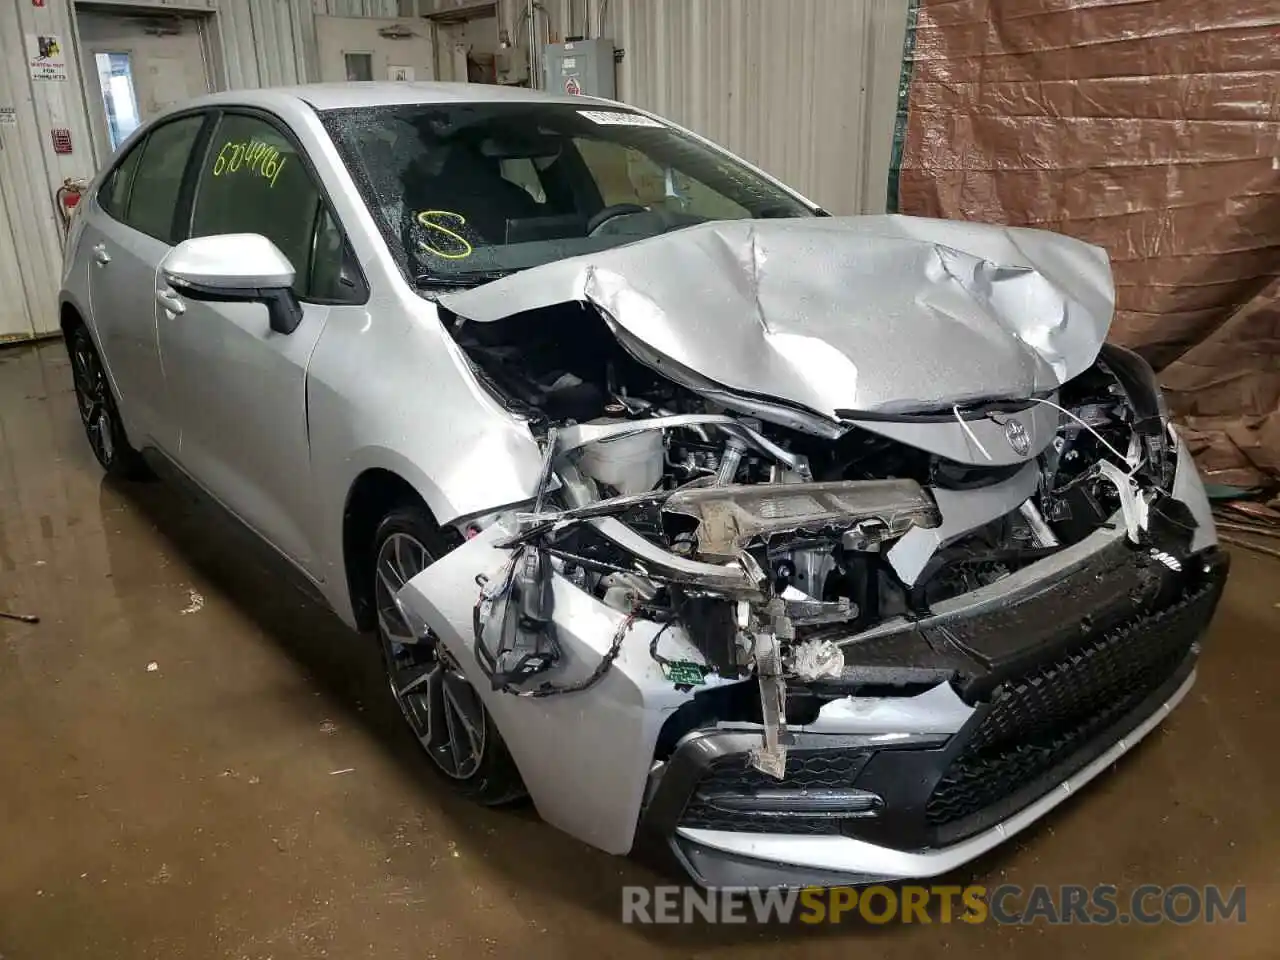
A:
<point x="197" y="762"/>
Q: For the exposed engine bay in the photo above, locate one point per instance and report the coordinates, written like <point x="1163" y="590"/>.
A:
<point x="842" y="545"/>
<point x="776" y="539"/>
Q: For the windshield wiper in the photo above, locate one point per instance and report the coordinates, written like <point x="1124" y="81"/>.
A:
<point x="430" y="281"/>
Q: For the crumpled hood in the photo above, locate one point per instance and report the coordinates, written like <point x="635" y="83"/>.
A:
<point x="878" y="314"/>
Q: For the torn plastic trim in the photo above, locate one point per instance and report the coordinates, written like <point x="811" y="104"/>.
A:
<point x="961" y="511"/>
<point x="1188" y="488"/>
<point x="534" y="525"/>
<point x="1133" y="504"/>
<point x="938" y="710"/>
<point x="986" y="599"/>
<point x="731" y="517"/>
<point x="770" y="756"/>
<point x="741" y="579"/>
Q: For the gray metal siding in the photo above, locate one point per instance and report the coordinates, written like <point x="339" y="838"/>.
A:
<point x="252" y="43"/>
<point x="805" y="89"/>
<point x="30" y="245"/>
<point x="357" y="8"/>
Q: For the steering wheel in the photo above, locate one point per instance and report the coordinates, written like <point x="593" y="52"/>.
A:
<point x="608" y="213"/>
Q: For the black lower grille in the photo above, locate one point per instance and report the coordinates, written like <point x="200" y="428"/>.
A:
<point x="1049" y="717"/>
<point x="806" y="770"/>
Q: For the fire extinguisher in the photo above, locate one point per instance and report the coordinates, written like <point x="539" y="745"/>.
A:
<point x="68" y="198"/>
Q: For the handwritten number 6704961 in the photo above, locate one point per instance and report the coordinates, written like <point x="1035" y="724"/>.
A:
<point x="252" y="157"/>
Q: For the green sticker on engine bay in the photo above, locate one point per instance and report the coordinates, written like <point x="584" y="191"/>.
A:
<point x="685" y="673"/>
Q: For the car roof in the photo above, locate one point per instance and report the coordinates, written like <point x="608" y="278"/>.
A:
<point x="333" y="96"/>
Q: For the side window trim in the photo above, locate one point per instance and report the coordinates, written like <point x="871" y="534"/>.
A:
<point x="191" y="176"/>
<point x="361" y="291"/>
<point x="108" y="181"/>
<point x="349" y="270"/>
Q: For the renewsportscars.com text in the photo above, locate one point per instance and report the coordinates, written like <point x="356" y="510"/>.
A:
<point x="1007" y="904"/>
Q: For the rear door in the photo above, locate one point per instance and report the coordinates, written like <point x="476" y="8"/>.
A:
<point x="240" y="387"/>
<point x="130" y="233"/>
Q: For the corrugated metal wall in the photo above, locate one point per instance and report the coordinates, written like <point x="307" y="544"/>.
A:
<point x="359" y="8"/>
<point x="251" y="42"/>
<point x="30" y="247"/>
<point x="805" y="89"/>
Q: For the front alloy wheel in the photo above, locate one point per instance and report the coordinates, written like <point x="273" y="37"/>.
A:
<point x="441" y="707"/>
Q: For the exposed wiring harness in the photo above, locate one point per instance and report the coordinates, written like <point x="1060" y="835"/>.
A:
<point x="596" y="675"/>
<point x="529" y="646"/>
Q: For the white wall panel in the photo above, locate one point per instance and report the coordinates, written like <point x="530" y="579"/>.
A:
<point x="30" y="172"/>
<point x="805" y="89"/>
<point x="251" y="43"/>
<point x="356" y="8"/>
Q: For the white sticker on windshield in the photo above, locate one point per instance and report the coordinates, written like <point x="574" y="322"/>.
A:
<point x="618" y="119"/>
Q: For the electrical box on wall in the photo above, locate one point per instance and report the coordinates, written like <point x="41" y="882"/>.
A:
<point x="580" y="67"/>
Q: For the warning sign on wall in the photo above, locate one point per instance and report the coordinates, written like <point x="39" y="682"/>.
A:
<point x="572" y="86"/>
<point x="46" y="56"/>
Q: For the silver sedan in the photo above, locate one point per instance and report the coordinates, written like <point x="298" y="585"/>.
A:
<point x="789" y="548"/>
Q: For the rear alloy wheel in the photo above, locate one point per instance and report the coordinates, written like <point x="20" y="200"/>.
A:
<point x="441" y="707"/>
<point x="98" y="411"/>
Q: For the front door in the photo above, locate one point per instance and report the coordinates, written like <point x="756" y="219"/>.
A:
<point x="240" y="388"/>
<point x="136" y="66"/>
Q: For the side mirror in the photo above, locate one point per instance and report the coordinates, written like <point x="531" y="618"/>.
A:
<point x="236" y="267"/>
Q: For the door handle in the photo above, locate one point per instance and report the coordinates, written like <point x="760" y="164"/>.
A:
<point x="170" y="300"/>
<point x="100" y="254"/>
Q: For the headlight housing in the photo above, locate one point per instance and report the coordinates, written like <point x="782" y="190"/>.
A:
<point x="1150" y="410"/>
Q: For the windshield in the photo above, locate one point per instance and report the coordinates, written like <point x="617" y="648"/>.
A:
<point x="464" y="191"/>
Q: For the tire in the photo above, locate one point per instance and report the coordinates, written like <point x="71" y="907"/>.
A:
<point x="98" y="411"/>
<point x="442" y="709"/>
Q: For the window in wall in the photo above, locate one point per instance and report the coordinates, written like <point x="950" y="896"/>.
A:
<point x="359" y="65"/>
<point x="115" y="78"/>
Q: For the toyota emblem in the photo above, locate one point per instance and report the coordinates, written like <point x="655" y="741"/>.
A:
<point x="1016" y="434"/>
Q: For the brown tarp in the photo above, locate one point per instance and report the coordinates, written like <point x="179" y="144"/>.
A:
<point x="1148" y="127"/>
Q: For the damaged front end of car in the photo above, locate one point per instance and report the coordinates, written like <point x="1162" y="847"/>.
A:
<point x="800" y="597"/>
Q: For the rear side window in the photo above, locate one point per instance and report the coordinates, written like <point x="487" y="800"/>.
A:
<point x="153" y="199"/>
<point x="113" y="195"/>
<point x="253" y="181"/>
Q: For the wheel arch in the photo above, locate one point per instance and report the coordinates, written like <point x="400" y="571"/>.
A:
<point x="372" y="495"/>
<point x="70" y="317"/>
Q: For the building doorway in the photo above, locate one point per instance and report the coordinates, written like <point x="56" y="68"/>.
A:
<point x="467" y="44"/>
<point x="136" y="65"/>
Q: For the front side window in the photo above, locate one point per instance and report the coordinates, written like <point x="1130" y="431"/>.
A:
<point x="153" y="196"/>
<point x="476" y="189"/>
<point x="253" y="181"/>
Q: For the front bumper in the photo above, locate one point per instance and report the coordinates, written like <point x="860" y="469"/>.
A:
<point x="1039" y="735"/>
